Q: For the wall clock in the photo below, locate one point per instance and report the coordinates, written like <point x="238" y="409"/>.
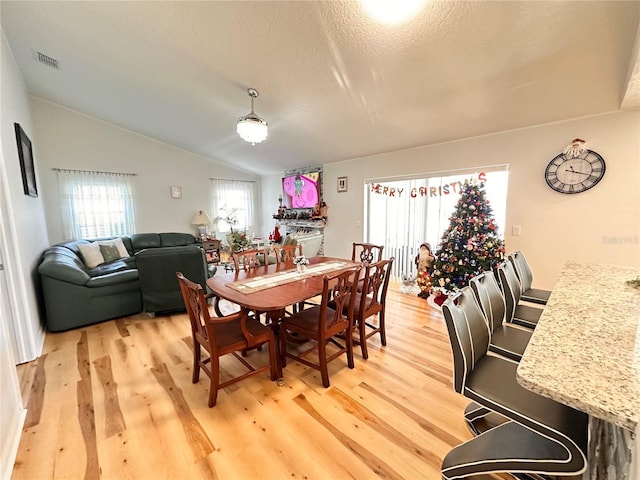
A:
<point x="575" y="174"/>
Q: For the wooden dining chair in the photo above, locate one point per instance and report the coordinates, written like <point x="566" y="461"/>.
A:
<point x="220" y="336"/>
<point x="322" y="324"/>
<point x="370" y="303"/>
<point x="366" y="252"/>
<point x="249" y="259"/>
<point x="286" y="253"/>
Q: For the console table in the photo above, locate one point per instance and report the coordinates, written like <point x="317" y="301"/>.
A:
<point x="585" y="353"/>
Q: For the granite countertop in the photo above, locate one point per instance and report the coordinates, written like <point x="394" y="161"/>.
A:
<point x="585" y="350"/>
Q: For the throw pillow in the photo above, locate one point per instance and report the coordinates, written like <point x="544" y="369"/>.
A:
<point x="110" y="253"/>
<point x="119" y="244"/>
<point x="91" y="255"/>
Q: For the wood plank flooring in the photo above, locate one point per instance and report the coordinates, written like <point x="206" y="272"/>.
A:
<point x="115" y="400"/>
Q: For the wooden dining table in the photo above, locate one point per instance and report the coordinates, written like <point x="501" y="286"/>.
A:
<point x="276" y="297"/>
<point x="272" y="288"/>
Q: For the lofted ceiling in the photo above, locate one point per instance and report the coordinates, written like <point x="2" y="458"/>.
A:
<point x="334" y="84"/>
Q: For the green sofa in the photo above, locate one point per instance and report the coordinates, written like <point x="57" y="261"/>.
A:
<point x="75" y="295"/>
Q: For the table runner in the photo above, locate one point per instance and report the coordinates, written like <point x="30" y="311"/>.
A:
<point x="262" y="282"/>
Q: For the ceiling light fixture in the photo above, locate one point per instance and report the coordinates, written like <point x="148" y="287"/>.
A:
<point x="392" y="12"/>
<point x="251" y="127"/>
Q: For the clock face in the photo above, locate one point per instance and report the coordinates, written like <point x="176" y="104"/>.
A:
<point x="575" y="175"/>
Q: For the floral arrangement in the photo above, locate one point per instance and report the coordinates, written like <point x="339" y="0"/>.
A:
<point x="230" y="217"/>
<point x="300" y="260"/>
<point x="239" y="241"/>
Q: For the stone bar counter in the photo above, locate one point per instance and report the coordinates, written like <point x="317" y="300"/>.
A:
<point x="585" y="353"/>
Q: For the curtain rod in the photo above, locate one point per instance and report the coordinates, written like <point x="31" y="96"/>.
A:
<point x="232" y="180"/>
<point x="92" y="171"/>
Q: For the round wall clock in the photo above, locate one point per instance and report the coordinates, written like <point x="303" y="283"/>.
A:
<point x="577" y="174"/>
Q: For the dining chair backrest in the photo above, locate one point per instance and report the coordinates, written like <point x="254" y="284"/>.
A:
<point x="286" y="253"/>
<point x="371" y="301"/>
<point x="221" y="336"/>
<point x="523" y="272"/>
<point x="374" y="288"/>
<point x="468" y="333"/>
<point x="511" y="288"/>
<point x="249" y="259"/>
<point x="488" y="295"/>
<point x="196" y="304"/>
<point x="366" y="252"/>
<point x="339" y="289"/>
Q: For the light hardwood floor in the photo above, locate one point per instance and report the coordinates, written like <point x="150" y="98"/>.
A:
<point x="115" y="400"/>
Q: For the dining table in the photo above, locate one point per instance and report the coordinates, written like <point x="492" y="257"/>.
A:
<point x="585" y="353"/>
<point x="272" y="288"/>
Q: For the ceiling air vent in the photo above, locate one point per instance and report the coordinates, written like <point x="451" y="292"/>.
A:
<point x="47" y="60"/>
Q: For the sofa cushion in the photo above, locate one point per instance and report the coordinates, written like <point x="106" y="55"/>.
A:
<point x="140" y="241"/>
<point x="176" y="239"/>
<point x="116" y="242"/>
<point x="91" y="255"/>
<point x="110" y="253"/>
<point x="115" y="278"/>
<point x="107" y="268"/>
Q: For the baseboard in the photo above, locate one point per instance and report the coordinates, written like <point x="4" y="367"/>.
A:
<point x="10" y="444"/>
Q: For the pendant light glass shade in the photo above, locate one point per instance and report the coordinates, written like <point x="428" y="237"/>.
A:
<point x="251" y="127"/>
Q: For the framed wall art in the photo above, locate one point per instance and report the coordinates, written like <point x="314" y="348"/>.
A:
<point x="25" y="154"/>
<point x="342" y="184"/>
<point x="176" y="191"/>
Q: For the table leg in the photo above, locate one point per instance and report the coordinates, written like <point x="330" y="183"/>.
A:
<point x="274" y="321"/>
<point x="611" y="451"/>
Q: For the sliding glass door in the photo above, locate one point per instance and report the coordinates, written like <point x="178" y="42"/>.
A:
<point x="403" y="213"/>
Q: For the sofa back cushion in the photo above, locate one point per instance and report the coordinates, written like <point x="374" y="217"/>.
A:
<point x="140" y="241"/>
<point x="176" y="239"/>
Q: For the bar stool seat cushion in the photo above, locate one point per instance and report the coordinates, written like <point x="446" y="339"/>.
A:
<point x="526" y="316"/>
<point x="509" y="342"/>
<point x="536" y="295"/>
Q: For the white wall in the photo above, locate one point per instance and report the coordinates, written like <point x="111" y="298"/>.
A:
<point x="72" y="140"/>
<point x="23" y="237"/>
<point x="600" y="225"/>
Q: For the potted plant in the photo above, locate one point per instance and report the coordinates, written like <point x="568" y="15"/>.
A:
<point x="237" y="240"/>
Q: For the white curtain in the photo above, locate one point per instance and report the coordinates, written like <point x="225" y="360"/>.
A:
<point x="236" y="196"/>
<point x="403" y="214"/>
<point x="96" y="204"/>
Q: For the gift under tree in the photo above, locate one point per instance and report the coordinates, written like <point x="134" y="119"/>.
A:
<point x="471" y="244"/>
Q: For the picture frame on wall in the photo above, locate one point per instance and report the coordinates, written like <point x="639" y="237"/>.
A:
<point x="25" y="154"/>
<point x="342" y="184"/>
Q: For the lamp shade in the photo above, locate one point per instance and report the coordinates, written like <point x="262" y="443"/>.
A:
<point x="201" y="218"/>
<point x="252" y="129"/>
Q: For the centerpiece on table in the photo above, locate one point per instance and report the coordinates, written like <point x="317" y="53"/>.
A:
<point x="301" y="263"/>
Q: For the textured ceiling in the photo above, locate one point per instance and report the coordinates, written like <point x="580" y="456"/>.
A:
<point x="333" y="83"/>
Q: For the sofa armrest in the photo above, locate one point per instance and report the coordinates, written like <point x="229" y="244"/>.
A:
<point x="64" y="268"/>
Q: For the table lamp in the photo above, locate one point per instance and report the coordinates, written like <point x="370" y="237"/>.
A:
<point x="201" y="219"/>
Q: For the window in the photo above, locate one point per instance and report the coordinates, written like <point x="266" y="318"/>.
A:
<point x="95" y="204"/>
<point x="402" y="214"/>
<point x="236" y="197"/>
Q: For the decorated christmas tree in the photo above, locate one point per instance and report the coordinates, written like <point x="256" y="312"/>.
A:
<point x="471" y="244"/>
